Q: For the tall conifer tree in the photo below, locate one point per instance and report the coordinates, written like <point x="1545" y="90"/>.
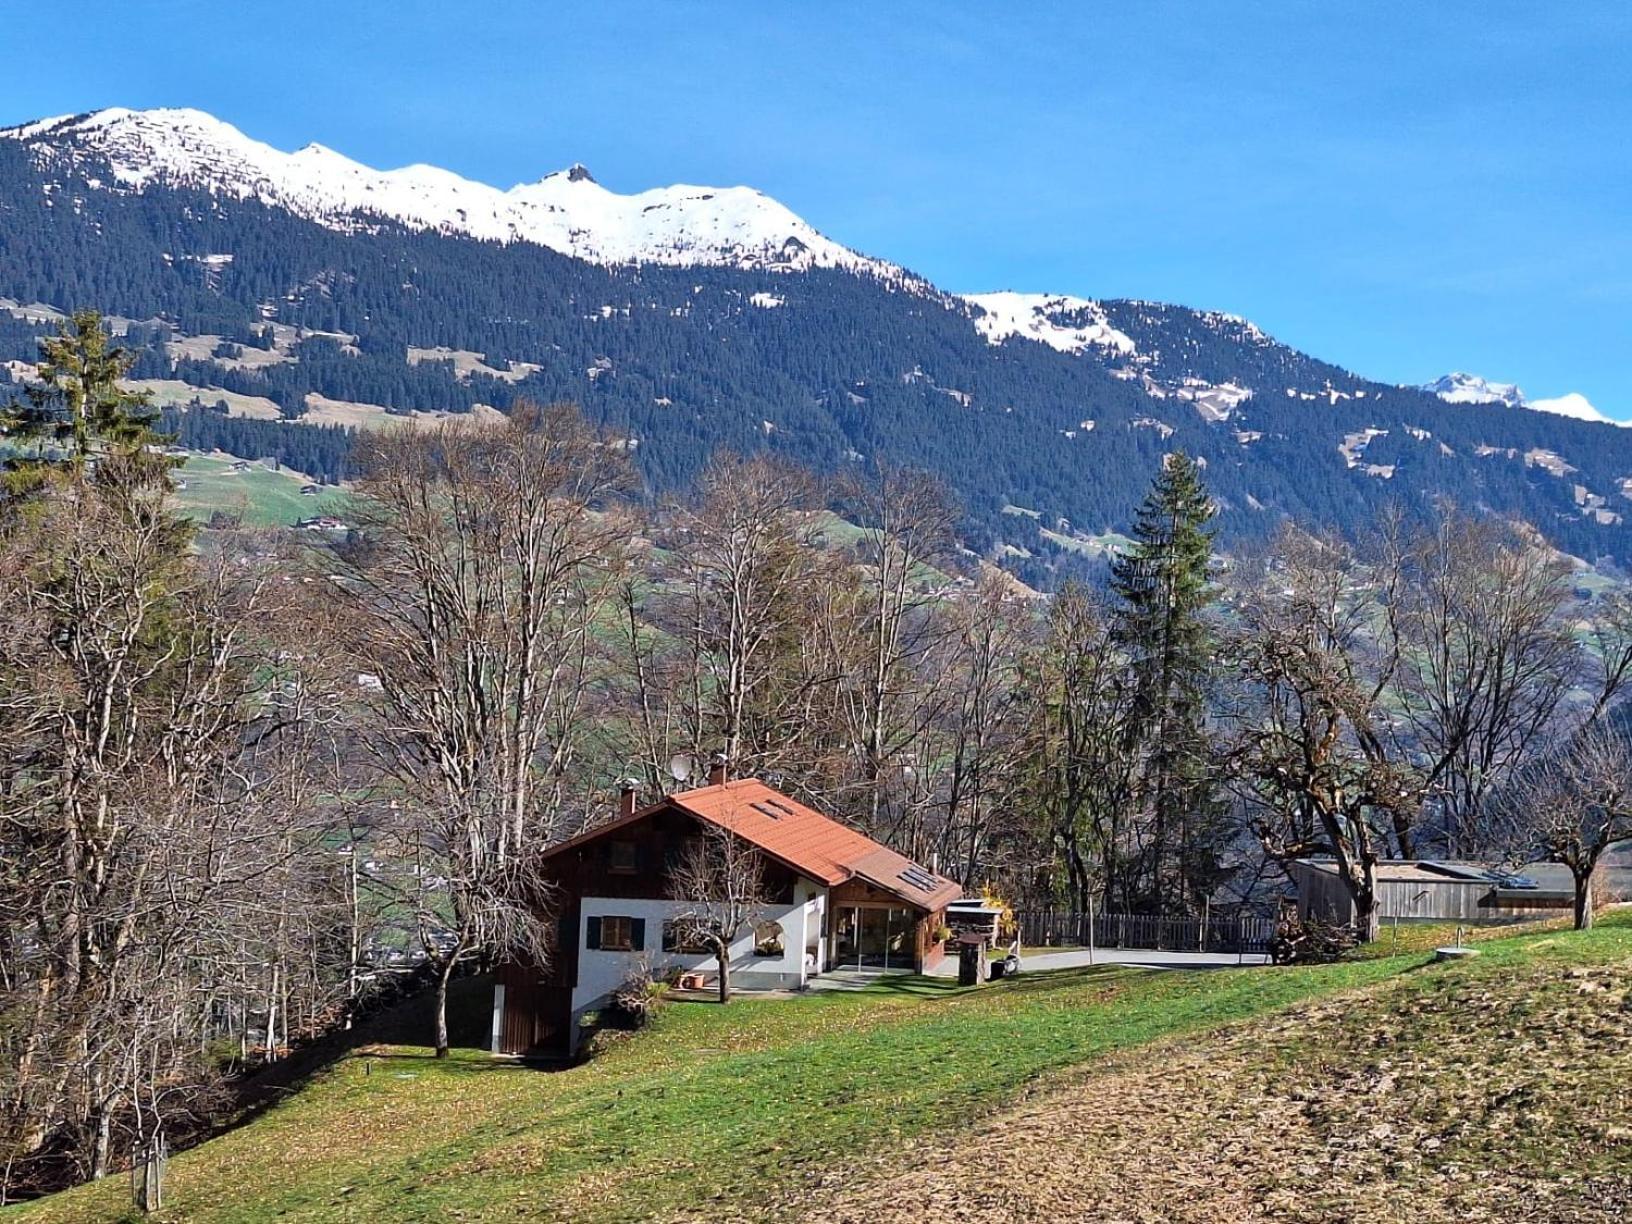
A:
<point x="78" y="405"/>
<point x="1163" y="584"/>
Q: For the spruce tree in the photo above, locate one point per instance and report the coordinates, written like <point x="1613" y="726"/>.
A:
<point x="1163" y="585"/>
<point x="78" y="405"/>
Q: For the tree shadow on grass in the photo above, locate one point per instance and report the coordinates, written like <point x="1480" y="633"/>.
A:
<point x="1040" y="981"/>
<point x="405" y="1023"/>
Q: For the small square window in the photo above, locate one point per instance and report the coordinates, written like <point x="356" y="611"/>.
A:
<point x="621" y="857"/>
<point x="617" y="934"/>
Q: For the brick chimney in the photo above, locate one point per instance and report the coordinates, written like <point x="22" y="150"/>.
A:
<point x="627" y="789"/>
<point x="718" y="774"/>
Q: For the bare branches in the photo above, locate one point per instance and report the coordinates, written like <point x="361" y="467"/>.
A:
<point x="1571" y="807"/>
<point x="150" y="802"/>
<point x="720" y="881"/>
<point x="487" y="558"/>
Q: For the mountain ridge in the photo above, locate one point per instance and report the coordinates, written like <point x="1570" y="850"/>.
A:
<point x="566" y="210"/>
<point x="1059" y="406"/>
<point x="570" y="212"/>
<point x="1462" y="388"/>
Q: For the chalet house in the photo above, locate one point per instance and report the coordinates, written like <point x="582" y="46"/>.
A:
<point x="837" y="900"/>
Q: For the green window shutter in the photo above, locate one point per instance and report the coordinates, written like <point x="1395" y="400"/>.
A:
<point x="592" y="938"/>
<point x="637" y="934"/>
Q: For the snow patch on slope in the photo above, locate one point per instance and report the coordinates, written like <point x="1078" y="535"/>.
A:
<point x="1069" y="324"/>
<point x="567" y="211"/>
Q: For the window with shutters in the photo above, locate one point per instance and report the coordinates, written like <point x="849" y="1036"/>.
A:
<point x="617" y="933"/>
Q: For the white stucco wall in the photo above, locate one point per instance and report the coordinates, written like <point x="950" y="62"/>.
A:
<point x="601" y="972"/>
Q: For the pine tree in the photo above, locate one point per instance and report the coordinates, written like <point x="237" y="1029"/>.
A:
<point x="1163" y="584"/>
<point x="78" y="405"/>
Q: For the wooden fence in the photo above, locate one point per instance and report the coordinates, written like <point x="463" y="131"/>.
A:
<point x="1058" y="928"/>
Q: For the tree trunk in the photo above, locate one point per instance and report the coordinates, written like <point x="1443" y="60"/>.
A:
<point x="1367" y="915"/>
<point x="442" y="1009"/>
<point x="1368" y="923"/>
<point x="724" y="959"/>
<point x="1583" y="901"/>
<point x="102" y="1148"/>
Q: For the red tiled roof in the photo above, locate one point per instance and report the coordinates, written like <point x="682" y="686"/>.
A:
<point x="814" y="844"/>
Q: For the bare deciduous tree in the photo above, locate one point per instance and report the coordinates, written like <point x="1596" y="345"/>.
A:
<point x="1311" y="741"/>
<point x="746" y="546"/>
<point x="720" y="883"/>
<point x="907" y="523"/>
<point x="485" y="561"/>
<point x="149" y="797"/>
<point x="1484" y="658"/>
<point x="1572" y="807"/>
<point x="1084" y="761"/>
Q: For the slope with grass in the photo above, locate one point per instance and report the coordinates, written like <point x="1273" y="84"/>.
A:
<point x="257" y="495"/>
<point x="1495" y="1090"/>
<point x="742" y="1111"/>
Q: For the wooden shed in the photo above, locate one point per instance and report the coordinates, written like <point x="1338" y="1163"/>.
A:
<point x="1432" y="890"/>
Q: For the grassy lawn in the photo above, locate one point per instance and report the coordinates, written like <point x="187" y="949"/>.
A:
<point x="1487" y="1090"/>
<point x="263" y="497"/>
<point x="722" y="1107"/>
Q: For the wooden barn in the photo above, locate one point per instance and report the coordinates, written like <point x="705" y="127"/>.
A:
<point x="1447" y="891"/>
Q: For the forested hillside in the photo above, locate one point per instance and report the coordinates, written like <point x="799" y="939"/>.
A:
<point x="828" y="367"/>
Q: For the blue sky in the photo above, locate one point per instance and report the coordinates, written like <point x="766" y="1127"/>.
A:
<point x="1402" y="188"/>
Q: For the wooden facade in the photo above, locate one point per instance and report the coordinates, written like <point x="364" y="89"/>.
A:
<point x="1423" y="892"/>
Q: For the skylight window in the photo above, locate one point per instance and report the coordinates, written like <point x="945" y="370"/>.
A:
<point x="918" y="878"/>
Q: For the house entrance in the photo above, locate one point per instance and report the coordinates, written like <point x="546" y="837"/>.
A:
<point x="875" y="937"/>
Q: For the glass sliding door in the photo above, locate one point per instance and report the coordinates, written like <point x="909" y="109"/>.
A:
<point x="846" y="937"/>
<point x="875" y="937"/>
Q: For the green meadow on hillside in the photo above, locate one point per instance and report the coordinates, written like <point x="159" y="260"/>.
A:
<point x="725" y="1111"/>
<point x="261" y="496"/>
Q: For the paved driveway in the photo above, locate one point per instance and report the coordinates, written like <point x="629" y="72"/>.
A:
<point x="1076" y="958"/>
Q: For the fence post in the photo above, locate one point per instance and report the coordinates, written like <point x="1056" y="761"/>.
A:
<point x="147" y="1175"/>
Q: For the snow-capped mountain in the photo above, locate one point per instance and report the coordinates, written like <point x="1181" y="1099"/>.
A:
<point x="1573" y="405"/>
<point x="1459" y="388"/>
<point x="567" y="211"/>
<point x="261" y="291"/>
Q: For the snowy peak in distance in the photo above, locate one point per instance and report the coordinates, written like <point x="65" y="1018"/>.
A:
<point x="1458" y="388"/>
<point x="567" y="211"/>
<point x="1573" y="405"/>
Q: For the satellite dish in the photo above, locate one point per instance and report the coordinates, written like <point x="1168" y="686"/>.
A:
<point x="681" y="766"/>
